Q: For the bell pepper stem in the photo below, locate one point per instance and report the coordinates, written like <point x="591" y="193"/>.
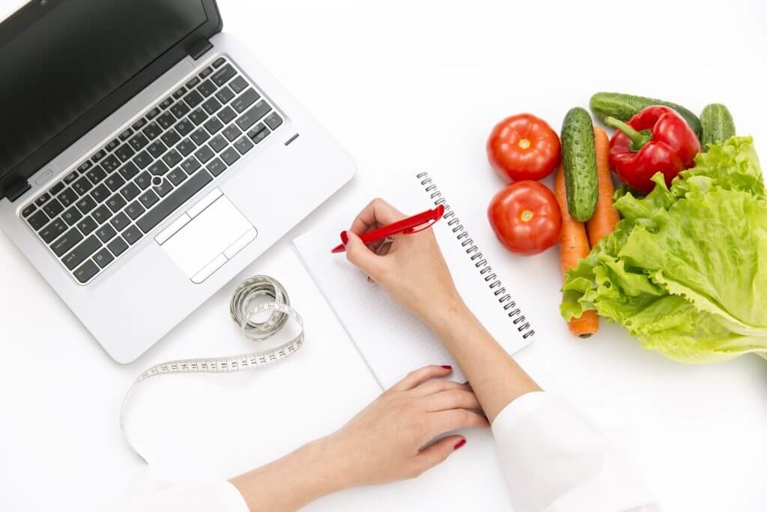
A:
<point x="638" y="139"/>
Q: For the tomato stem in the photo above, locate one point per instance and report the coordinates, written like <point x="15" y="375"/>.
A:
<point x="524" y="143"/>
<point x="527" y="216"/>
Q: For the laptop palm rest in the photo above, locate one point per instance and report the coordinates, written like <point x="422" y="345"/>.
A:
<point x="206" y="236"/>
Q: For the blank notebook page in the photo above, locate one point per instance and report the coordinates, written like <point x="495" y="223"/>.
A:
<point x="392" y="340"/>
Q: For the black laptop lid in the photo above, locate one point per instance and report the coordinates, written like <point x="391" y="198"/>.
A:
<point x="65" y="65"/>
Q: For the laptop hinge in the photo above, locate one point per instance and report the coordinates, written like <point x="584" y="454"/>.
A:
<point x="200" y="49"/>
<point x="17" y="190"/>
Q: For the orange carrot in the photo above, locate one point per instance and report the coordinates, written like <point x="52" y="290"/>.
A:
<point x="605" y="216"/>
<point x="574" y="245"/>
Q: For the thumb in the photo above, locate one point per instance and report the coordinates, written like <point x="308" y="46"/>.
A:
<point x="439" y="452"/>
<point x="362" y="257"/>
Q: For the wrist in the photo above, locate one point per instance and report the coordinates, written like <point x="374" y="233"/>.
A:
<point x="450" y="312"/>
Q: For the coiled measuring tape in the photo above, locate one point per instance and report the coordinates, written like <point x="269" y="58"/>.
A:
<point x="243" y="309"/>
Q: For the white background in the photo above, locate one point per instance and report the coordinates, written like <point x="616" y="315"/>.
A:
<point x="404" y="85"/>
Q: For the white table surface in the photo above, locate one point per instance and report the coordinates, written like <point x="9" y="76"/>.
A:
<point x="403" y="85"/>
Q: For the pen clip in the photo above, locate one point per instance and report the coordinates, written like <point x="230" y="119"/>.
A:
<point x="434" y="216"/>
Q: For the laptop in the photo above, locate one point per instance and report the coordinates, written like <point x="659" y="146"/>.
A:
<point x="146" y="158"/>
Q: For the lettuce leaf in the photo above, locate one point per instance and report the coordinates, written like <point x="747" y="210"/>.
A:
<point x="685" y="271"/>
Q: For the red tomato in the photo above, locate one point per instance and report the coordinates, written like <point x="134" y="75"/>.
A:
<point x="523" y="147"/>
<point x="526" y="217"/>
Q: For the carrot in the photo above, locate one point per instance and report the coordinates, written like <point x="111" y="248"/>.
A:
<point x="605" y="216"/>
<point x="574" y="245"/>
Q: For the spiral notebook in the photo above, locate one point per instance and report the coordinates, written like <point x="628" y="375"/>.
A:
<point x="392" y="340"/>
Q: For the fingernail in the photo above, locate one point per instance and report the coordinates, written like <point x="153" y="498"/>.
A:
<point x="459" y="444"/>
<point x="447" y="367"/>
<point x="344" y="237"/>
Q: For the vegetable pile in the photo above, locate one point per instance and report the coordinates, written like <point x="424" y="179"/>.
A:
<point x="678" y="256"/>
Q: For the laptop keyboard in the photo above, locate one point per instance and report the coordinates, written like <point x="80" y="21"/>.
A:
<point x="117" y="196"/>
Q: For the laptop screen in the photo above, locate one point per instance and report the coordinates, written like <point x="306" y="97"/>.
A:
<point x="72" y="56"/>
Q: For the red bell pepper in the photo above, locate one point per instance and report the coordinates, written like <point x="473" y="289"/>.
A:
<point x="657" y="139"/>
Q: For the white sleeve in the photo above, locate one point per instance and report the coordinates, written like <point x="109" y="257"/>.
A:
<point x="218" y="496"/>
<point x="556" y="460"/>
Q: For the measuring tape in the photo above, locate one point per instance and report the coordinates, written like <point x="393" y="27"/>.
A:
<point x="243" y="309"/>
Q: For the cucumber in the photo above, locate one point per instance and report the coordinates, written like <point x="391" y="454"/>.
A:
<point x="717" y="123"/>
<point x="580" y="161"/>
<point x="624" y="106"/>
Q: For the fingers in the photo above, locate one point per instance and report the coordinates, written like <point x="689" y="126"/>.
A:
<point x="362" y="257"/>
<point x="420" y="376"/>
<point x="454" y="419"/>
<point x="453" y="399"/>
<point x="437" y="453"/>
<point x="377" y="212"/>
<point x="434" y="386"/>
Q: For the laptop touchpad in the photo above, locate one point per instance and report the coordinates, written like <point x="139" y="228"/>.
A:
<point x="203" y="239"/>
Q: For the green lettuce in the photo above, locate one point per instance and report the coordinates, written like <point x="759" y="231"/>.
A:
<point x="685" y="270"/>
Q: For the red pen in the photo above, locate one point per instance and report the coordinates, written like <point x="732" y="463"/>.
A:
<point x="407" y="226"/>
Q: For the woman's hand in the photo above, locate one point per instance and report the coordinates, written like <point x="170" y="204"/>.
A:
<point x="385" y="442"/>
<point x="411" y="268"/>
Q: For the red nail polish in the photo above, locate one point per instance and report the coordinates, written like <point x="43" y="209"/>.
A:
<point x="459" y="444"/>
<point x="344" y="237"/>
<point x="447" y="367"/>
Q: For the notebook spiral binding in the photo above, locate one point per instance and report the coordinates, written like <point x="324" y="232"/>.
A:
<point x="473" y="252"/>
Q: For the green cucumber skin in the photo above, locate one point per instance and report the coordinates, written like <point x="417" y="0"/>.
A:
<point x="625" y="106"/>
<point x="718" y="125"/>
<point x="580" y="161"/>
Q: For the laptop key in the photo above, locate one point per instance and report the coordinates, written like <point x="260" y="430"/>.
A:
<point x="53" y="208"/>
<point x="117" y="246"/>
<point x="53" y="230"/>
<point x="153" y="130"/>
<point x="176" y="176"/>
<point x="153" y="113"/>
<point x="138" y="125"/>
<point x="190" y="165"/>
<point x="273" y="120"/>
<point x="225" y="95"/>
<point x="163" y="189"/>
<point x="193" y="99"/>
<point x="230" y="156"/>
<point x="66" y="241"/>
<point x="172" y="158"/>
<point x="158" y="168"/>
<point x="130" y="191"/>
<point x="243" y="145"/>
<point x="26" y="212"/>
<point x="106" y="233"/>
<point x="232" y="132"/>
<point x="223" y="75"/>
<point x="111" y="163"/>
<point x="238" y="84"/>
<point x="120" y="221"/>
<point x="212" y="106"/>
<point x="112" y="145"/>
<point x="192" y="83"/>
<point x="58" y="187"/>
<point x="101" y="214"/>
<point x="156" y="148"/>
<point x="260" y="135"/>
<point x="144" y="180"/>
<point x="71" y="216"/>
<point x="86" y="204"/>
<point x="87" y="225"/>
<point x="116" y="202"/>
<point x="134" y="210"/>
<point x="128" y="171"/>
<point x="180" y="109"/>
<point x="227" y="115"/>
<point x="180" y="93"/>
<point x="100" y="193"/>
<point x="142" y="160"/>
<point x="253" y="115"/>
<point x="167" y="102"/>
<point x="67" y="197"/>
<point x="125" y="135"/>
<point x="148" y="199"/>
<point x="114" y="182"/>
<point x="138" y="142"/>
<point x="166" y="120"/>
<point x="170" y="138"/>
<point x="98" y="155"/>
<point x="38" y="220"/>
<point x="103" y="258"/>
<point x="198" y="116"/>
<point x="81" y="252"/>
<point x="245" y="100"/>
<point x="218" y="144"/>
<point x="216" y="166"/>
<point x="213" y="125"/>
<point x="82" y="186"/>
<point x="96" y="174"/>
<point x="184" y="127"/>
<point x="219" y="62"/>
<point x="132" y="235"/>
<point x="200" y="136"/>
<point x="69" y="178"/>
<point x="179" y="196"/>
<point x="206" y="72"/>
<point x="204" y="154"/>
<point x="207" y="88"/>
<point x="125" y="152"/>
<point x="86" y="272"/>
